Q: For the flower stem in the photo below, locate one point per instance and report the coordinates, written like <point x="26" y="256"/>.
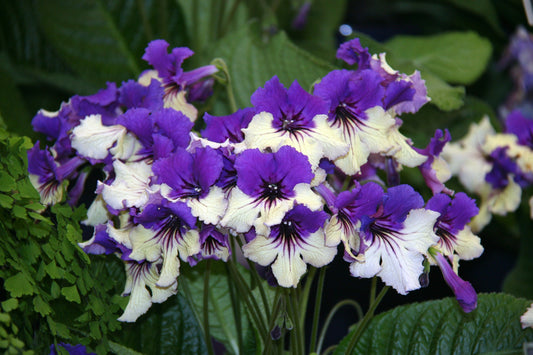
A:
<point x="208" y="341"/>
<point x="330" y="316"/>
<point x="318" y="302"/>
<point x="364" y="323"/>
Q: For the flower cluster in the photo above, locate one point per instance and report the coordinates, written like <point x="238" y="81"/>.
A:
<point x="287" y="179"/>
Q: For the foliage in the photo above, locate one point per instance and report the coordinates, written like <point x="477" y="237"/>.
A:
<point x="51" y="290"/>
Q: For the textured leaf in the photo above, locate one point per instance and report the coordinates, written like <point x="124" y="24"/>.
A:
<point x="456" y="57"/>
<point x="88" y="38"/>
<point x="41" y="306"/>
<point x="322" y="23"/>
<point x="209" y="20"/>
<point x="168" y="328"/>
<point x="71" y="293"/>
<point x="252" y="61"/>
<point x="10" y="304"/>
<point x="19" y="285"/>
<point x="441" y="327"/>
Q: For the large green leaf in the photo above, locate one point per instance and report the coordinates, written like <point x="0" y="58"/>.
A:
<point x="482" y="8"/>
<point x="252" y="61"/>
<point x="104" y="40"/>
<point x="322" y="23"/>
<point x="441" y="327"/>
<point x="222" y="323"/>
<point x="168" y="328"/>
<point x="455" y="57"/>
<point x="209" y="20"/>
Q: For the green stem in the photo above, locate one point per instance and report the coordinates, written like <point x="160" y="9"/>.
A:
<point x="295" y="344"/>
<point x="318" y="302"/>
<point x="236" y="306"/>
<point x="364" y="323"/>
<point x="278" y="300"/>
<point x="373" y="287"/>
<point x="330" y="316"/>
<point x="207" y="334"/>
<point x="252" y="306"/>
<point x="305" y="293"/>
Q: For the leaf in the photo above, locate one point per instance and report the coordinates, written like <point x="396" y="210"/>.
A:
<point x="6" y="201"/>
<point x="41" y="306"/>
<point x="71" y="293"/>
<point x="454" y="57"/>
<point x="168" y="328"/>
<point x="441" y="327"/>
<point x="209" y="20"/>
<point x="119" y="349"/>
<point x="7" y="183"/>
<point x="88" y="39"/>
<point x="19" y="285"/>
<point x="12" y="106"/>
<point x="10" y="304"/>
<point x="322" y="23"/>
<point x="252" y="61"/>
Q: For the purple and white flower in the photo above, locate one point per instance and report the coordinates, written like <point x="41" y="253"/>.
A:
<point x="292" y="244"/>
<point x="268" y="185"/>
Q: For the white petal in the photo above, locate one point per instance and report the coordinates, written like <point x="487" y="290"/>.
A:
<point x="288" y="269"/>
<point x="96" y="213"/>
<point x="374" y="134"/>
<point x="144" y="245"/>
<point x="130" y="187"/>
<point x="402" y="151"/>
<point x="357" y="155"/>
<point x="211" y="208"/>
<point x="171" y="267"/>
<point x="178" y="101"/>
<point x="241" y="212"/>
<point x="92" y="139"/>
<point x="260" y="250"/>
<point x="139" y="303"/>
<point x="527" y="318"/>
<point x="260" y="133"/>
<point x="506" y="200"/>
<point x="468" y="244"/>
<point x="315" y="251"/>
<point x="306" y="196"/>
<point x="48" y="196"/>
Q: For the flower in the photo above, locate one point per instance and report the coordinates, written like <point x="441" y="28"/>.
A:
<point x="176" y="82"/>
<point x="294" y="118"/>
<point x="268" y="185"/>
<point x="291" y="244"/>
<point x="395" y="238"/>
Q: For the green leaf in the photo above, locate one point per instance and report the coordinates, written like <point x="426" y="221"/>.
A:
<point x="209" y="20"/>
<point x="19" y="285"/>
<point x="6" y="201"/>
<point x="168" y="328"/>
<point x="455" y="57"/>
<point x="441" y="327"/>
<point x="10" y="304"/>
<point x="12" y="106"/>
<point x="318" y="35"/>
<point x="119" y="349"/>
<point x="71" y="293"/>
<point x="88" y="39"/>
<point x="252" y="61"/>
<point x="41" y="306"/>
<point x="7" y="183"/>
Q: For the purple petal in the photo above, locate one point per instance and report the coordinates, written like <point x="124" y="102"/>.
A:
<point x="398" y="92"/>
<point x="133" y="95"/>
<point x="220" y="128"/>
<point x="399" y="201"/>
<point x="463" y="290"/>
<point x="521" y="126"/>
<point x="173" y="124"/>
<point x="352" y="52"/>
